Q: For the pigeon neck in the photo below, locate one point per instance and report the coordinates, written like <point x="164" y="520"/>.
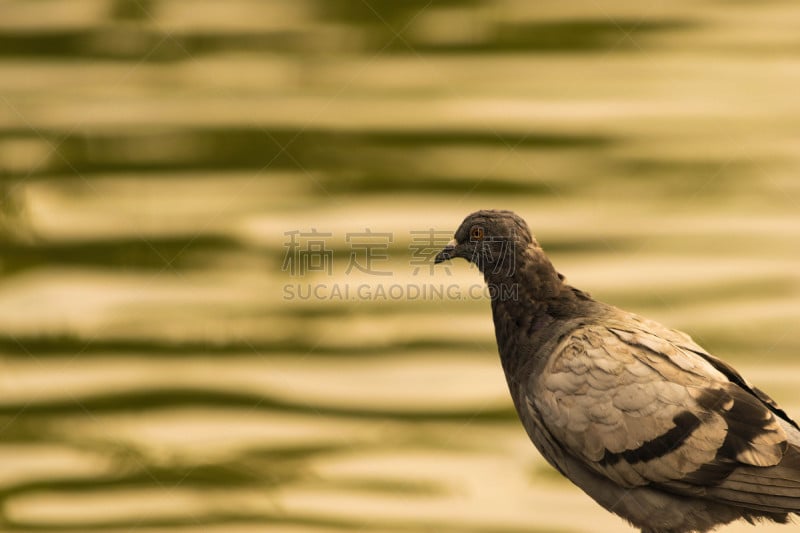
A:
<point x="522" y="301"/>
<point x="525" y="281"/>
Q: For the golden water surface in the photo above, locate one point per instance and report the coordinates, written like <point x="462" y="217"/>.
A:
<point x="170" y="361"/>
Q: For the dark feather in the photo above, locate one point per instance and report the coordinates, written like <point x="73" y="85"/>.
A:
<point x="685" y="424"/>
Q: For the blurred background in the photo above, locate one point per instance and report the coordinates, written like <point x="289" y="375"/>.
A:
<point x="195" y="193"/>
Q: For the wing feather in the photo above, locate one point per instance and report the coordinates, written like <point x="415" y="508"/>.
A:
<point x="644" y="409"/>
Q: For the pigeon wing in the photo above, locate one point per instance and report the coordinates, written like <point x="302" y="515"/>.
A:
<point x="643" y="410"/>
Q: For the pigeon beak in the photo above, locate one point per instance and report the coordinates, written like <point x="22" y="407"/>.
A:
<point x="446" y="253"/>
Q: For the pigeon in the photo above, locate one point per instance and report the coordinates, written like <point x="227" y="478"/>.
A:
<point x="639" y="416"/>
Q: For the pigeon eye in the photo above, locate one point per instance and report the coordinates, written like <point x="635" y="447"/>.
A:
<point x="476" y="233"/>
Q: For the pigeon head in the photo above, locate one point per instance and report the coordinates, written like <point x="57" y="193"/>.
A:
<point x="489" y="238"/>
